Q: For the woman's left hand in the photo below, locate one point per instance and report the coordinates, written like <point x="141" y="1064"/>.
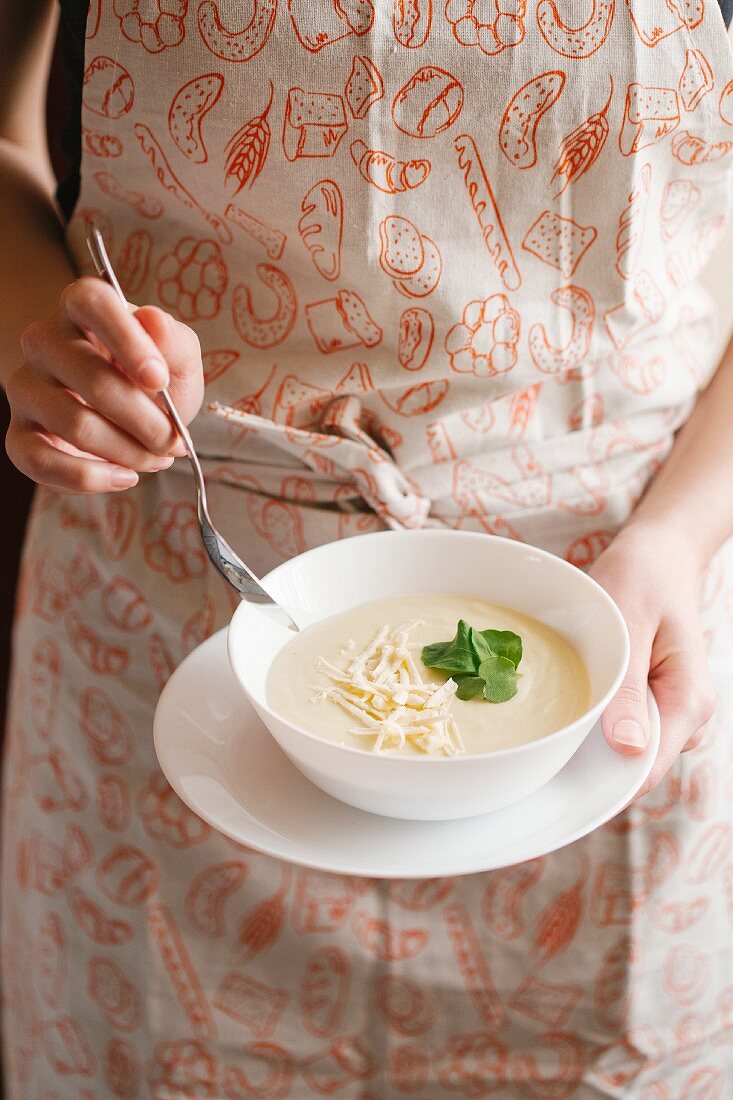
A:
<point x="655" y="584"/>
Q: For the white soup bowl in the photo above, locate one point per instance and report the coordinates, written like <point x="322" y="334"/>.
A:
<point x="341" y="575"/>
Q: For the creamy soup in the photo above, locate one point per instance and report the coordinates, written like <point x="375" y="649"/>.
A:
<point x="308" y="674"/>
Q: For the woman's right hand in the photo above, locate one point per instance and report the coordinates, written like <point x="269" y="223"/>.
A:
<point x="84" y="418"/>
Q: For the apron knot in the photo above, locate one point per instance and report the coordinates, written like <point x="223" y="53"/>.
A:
<point x="338" y="448"/>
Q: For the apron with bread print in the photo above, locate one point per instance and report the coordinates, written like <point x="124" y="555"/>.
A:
<point x="442" y="261"/>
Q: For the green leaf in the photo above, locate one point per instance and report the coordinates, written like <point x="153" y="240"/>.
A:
<point x="468" y="686"/>
<point x="480" y="646"/>
<point x="454" y="656"/>
<point x="500" y="679"/>
<point x="504" y="643"/>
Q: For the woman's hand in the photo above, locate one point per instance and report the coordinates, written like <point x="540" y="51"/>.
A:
<point x="84" y="418"/>
<point x="655" y="583"/>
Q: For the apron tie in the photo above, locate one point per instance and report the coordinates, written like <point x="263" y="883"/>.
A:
<point x="338" y="448"/>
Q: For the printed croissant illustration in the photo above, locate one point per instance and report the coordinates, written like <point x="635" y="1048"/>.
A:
<point x="385" y="172"/>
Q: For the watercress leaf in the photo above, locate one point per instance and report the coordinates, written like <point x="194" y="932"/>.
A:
<point x="468" y="686"/>
<point x="500" y="679"/>
<point x="454" y="656"/>
<point x="480" y="646"/>
<point x="504" y="643"/>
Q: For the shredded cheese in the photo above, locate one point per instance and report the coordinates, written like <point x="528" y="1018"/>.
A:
<point x="383" y="688"/>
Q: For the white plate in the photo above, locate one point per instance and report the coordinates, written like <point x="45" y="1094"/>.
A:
<point x="223" y="763"/>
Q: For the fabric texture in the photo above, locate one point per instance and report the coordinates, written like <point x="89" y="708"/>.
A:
<point x="442" y="263"/>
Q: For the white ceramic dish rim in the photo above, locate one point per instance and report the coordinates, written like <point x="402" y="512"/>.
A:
<point x="589" y="716"/>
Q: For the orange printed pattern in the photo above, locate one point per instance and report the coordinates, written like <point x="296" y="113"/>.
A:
<point x="442" y="261"/>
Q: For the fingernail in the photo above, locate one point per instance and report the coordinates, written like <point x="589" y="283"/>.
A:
<point x="121" y="478"/>
<point x="628" y="731"/>
<point x="153" y="374"/>
<point x="162" y="464"/>
<point x="179" y="448"/>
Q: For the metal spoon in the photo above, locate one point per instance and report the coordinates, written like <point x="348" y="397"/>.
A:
<point x="222" y="557"/>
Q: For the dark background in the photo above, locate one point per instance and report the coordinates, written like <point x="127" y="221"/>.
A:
<point x="15" y="494"/>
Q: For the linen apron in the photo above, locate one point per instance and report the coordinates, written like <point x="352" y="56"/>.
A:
<point x="443" y="265"/>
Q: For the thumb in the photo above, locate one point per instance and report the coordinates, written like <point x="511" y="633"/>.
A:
<point x="625" y="721"/>
<point x="181" y="350"/>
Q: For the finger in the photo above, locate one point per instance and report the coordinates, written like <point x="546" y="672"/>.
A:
<point x="45" y="404"/>
<point x="63" y="354"/>
<point x="625" y="722"/>
<point x="180" y="347"/>
<point x="93" y="306"/>
<point x="686" y="702"/>
<point x="36" y="457"/>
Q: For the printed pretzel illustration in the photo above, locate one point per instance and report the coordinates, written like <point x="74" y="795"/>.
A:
<point x="550" y="359"/>
<point x="576" y="42"/>
<point x="241" y="45"/>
